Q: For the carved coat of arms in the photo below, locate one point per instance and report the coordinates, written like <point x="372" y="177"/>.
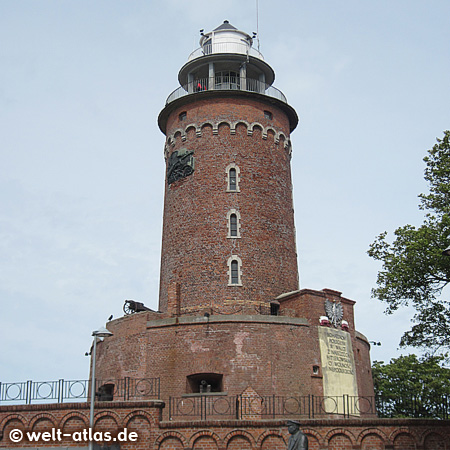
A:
<point x="180" y="165"/>
<point x="334" y="312"/>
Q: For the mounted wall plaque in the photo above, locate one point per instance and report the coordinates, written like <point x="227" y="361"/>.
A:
<point x="180" y="165"/>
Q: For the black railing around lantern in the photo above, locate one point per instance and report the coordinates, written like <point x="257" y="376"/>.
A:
<point x="60" y="391"/>
<point x="228" y="83"/>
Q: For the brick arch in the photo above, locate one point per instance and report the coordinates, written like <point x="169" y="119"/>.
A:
<point x="239" y="442"/>
<point x="189" y="127"/>
<point x="223" y="123"/>
<point x="170" y="435"/>
<point x="43" y="416"/>
<point x="242" y="433"/>
<point x="370" y="431"/>
<point x="280" y="135"/>
<point x="107" y="414"/>
<point x="272" y="133"/>
<point x="372" y="441"/>
<point x="288" y="146"/>
<point x="432" y="440"/>
<point x="204" y="433"/>
<point x="241" y="122"/>
<point x="7" y="419"/>
<point x="204" y="125"/>
<point x="198" y="128"/>
<point x="310" y="432"/>
<point x="138" y="413"/>
<point x="179" y="132"/>
<point x="267" y="435"/>
<point x="398" y="439"/>
<point x="339" y="431"/>
<point x="252" y="127"/>
<point x="71" y="415"/>
<point x="403" y="430"/>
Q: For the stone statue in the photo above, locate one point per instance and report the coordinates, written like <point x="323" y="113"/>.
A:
<point x="298" y="440"/>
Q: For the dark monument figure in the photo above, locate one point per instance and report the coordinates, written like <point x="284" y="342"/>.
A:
<point x="298" y="440"/>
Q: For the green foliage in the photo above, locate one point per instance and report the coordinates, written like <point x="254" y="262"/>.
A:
<point x="437" y="173"/>
<point x="414" y="271"/>
<point x="409" y="387"/>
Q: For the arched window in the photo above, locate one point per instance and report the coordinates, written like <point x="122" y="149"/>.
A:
<point x="233" y="225"/>
<point x="234" y="271"/>
<point x="233" y="178"/>
<point x="234" y="219"/>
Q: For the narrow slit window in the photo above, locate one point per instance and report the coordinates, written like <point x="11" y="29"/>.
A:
<point x="233" y="225"/>
<point x="234" y="272"/>
<point x="232" y="179"/>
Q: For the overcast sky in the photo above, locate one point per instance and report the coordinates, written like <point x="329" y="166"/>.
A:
<point x="81" y="155"/>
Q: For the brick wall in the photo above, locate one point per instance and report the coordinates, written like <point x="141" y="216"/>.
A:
<point x="270" y="354"/>
<point x="143" y="418"/>
<point x="195" y="247"/>
<point x="309" y="303"/>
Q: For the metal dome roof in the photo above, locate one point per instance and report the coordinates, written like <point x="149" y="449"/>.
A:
<point x="225" y="26"/>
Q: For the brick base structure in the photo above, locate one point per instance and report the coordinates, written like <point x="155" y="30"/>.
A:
<point x="144" y="419"/>
<point x="272" y="354"/>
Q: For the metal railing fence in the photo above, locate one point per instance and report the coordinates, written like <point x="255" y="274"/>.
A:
<point x="77" y="390"/>
<point x="225" y="47"/>
<point x="430" y="406"/>
<point x="202" y="407"/>
<point x="226" y="83"/>
<point x="240" y="407"/>
<point x="219" y="405"/>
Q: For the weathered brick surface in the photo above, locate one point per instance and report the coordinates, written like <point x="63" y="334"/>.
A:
<point x="310" y="304"/>
<point x="143" y="417"/>
<point x="270" y="354"/>
<point x="195" y="247"/>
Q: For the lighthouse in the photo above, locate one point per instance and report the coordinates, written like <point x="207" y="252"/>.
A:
<point x="228" y="234"/>
<point x="233" y="322"/>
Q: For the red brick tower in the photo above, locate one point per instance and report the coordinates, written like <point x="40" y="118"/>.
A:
<point x="228" y="235"/>
<point x="232" y="319"/>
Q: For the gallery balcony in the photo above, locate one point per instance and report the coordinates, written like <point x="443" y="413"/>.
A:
<point x="203" y="85"/>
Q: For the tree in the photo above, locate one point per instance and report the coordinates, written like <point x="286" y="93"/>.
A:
<point x="414" y="271"/>
<point x="411" y="387"/>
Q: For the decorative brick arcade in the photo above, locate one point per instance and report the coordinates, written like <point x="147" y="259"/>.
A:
<point x="143" y="417"/>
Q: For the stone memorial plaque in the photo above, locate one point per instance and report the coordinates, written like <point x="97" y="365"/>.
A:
<point x="338" y="364"/>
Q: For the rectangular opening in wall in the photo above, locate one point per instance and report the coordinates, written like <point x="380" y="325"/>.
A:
<point x="274" y="308"/>
<point x="105" y="393"/>
<point x="205" y="383"/>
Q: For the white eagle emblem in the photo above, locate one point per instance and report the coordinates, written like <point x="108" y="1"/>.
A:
<point x="334" y="312"/>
